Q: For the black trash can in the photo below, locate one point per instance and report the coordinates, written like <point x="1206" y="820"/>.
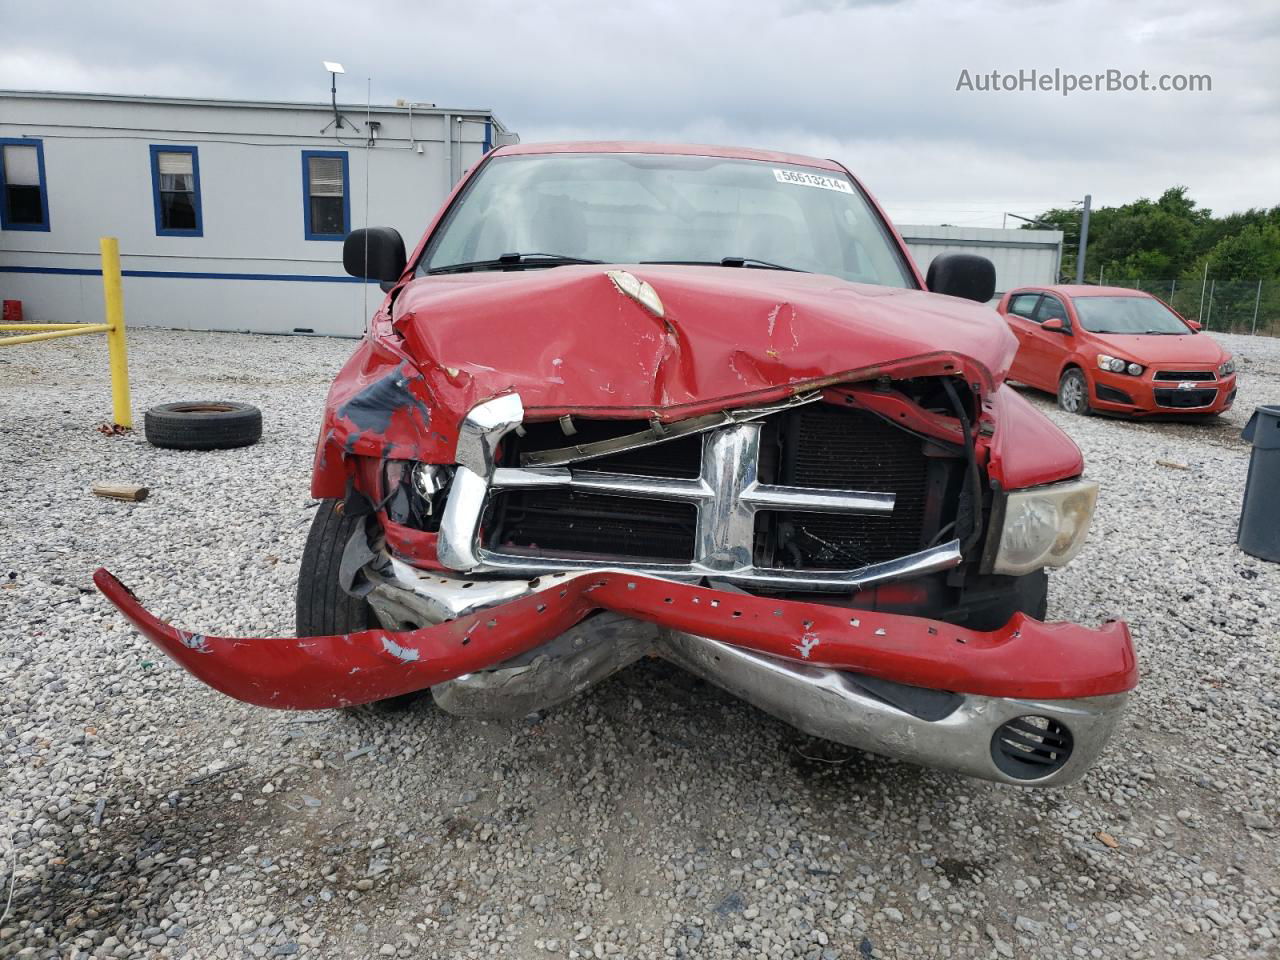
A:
<point x="1259" y="533"/>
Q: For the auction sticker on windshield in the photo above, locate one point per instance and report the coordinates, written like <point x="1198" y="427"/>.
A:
<point x="812" y="180"/>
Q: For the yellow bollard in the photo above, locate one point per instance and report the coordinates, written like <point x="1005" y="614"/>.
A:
<point x="117" y="350"/>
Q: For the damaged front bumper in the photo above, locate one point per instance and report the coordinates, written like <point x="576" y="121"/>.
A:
<point x="1031" y="703"/>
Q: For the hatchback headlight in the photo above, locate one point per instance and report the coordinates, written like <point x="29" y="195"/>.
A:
<point x="1044" y="526"/>
<point x="1228" y="367"/>
<point x="1116" y="365"/>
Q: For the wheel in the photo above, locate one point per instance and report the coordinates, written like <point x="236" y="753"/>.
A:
<point x="203" y="425"/>
<point x="323" y="607"/>
<point x="1073" y="392"/>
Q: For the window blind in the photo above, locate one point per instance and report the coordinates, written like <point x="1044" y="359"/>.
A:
<point x="325" y="174"/>
<point x="174" y="163"/>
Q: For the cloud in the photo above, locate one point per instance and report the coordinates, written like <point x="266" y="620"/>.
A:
<point x="870" y="83"/>
<point x="794" y="7"/>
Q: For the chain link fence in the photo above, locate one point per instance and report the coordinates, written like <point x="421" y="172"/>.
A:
<point x="1228" y="306"/>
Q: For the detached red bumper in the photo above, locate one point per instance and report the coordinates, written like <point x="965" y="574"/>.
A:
<point x="1025" y="659"/>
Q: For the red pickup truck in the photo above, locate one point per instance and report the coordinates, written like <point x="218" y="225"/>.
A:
<point x="693" y="402"/>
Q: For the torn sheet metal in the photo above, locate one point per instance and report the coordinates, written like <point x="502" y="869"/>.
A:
<point x="1025" y="658"/>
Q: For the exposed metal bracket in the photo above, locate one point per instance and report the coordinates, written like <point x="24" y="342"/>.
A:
<point x="660" y="432"/>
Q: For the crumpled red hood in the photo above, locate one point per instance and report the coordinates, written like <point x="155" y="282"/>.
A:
<point x="569" y="341"/>
<point x="565" y="337"/>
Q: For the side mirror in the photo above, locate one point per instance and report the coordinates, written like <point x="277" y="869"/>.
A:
<point x="962" y="275"/>
<point x="376" y="253"/>
<point x="1195" y="325"/>
<point x="1054" y="325"/>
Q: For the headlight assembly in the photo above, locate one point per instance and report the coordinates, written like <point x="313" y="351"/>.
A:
<point x="1117" y="365"/>
<point x="1044" y="526"/>
<point x="1228" y="367"/>
<point x="430" y="478"/>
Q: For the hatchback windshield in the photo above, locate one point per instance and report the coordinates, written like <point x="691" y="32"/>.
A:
<point x="647" y="208"/>
<point x="1127" y="315"/>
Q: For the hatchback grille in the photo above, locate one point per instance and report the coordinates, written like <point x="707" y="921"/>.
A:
<point x="1181" y="399"/>
<point x="817" y="446"/>
<point x="1184" y="375"/>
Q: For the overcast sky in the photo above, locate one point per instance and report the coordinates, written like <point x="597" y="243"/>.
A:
<point x="871" y="83"/>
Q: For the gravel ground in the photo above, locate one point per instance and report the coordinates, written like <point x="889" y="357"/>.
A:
<point x="142" y="814"/>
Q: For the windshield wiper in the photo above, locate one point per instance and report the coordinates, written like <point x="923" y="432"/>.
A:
<point x="508" y="261"/>
<point x="752" y="262"/>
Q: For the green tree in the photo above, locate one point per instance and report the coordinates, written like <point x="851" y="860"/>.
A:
<point x="1254" y="251"/>
<point x="1148" y="241"/>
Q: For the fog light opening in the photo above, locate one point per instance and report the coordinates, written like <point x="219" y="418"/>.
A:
<point x="1031" y="747"/>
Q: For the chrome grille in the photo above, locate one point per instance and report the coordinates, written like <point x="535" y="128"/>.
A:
<point x="827" y="446"/>
<point x="726" y="497"/>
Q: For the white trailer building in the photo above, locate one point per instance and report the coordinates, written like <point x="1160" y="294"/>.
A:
<point x="1022" y="258"/>
<point x="230" y="214"/>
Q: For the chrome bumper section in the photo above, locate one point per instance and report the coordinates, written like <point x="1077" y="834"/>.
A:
<point x="828" y="704"/>
<point x="822" y="702"/>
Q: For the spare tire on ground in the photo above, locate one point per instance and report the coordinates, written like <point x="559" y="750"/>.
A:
<point x="203" y="425"/>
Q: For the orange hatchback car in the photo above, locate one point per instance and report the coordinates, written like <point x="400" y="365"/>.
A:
<point x="1115" y="350"/>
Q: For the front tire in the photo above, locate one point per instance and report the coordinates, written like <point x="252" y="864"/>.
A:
<point x="323" y="607"/>
<point x="1073" y="392"/>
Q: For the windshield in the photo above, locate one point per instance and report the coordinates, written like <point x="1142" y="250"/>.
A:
<point x="638" y="208"/>
<point x="1127" y="315"/>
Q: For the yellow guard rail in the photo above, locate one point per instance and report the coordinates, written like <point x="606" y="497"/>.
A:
<point x="117" y="351"/>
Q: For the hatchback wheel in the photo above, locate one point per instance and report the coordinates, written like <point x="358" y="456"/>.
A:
<point x="1073" y="392"/>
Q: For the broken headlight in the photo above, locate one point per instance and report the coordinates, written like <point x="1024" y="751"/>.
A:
<point x="430" y="478"/>
<point x="1044" y="526"/>
<point x="430" y="482"/>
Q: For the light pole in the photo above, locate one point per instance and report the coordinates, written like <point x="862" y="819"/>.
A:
<point x="1084" y="238"/>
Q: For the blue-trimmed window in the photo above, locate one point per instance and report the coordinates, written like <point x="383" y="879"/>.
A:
<point x="326" y="195"/>
<point x="24" y="198"/>
<point x="175" y="191"/>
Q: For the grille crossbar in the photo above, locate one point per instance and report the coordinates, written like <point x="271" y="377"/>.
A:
<point x="726" y="495"/>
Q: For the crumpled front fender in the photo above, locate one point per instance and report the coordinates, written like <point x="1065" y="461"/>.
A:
<point x="1025" y="658"/>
